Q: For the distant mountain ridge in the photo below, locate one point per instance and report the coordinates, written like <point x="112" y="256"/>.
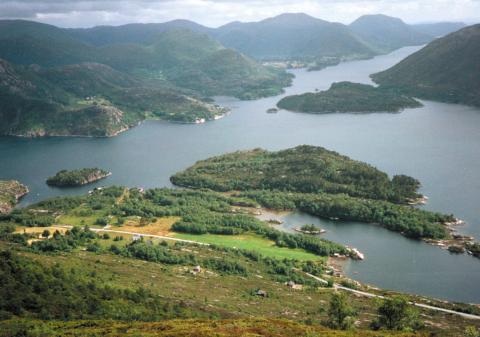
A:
<point x="291" y="36"/>
<point x="447" y="69"/>
<point x="286" y="36"/>
<point x="384" y="33"/>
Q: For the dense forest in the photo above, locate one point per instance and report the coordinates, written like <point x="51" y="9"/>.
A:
<point x="319" y="182"/>
<point x="349" y="97"/>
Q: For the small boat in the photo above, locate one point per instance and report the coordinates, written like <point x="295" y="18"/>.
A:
<point x="272" y="111"/>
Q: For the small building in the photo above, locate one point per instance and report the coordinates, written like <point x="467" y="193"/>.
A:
<point x="261" y="293"/>
<point x="136" y="237"/>
<point x="197" y="269"/>
<point x="290" y="284"/>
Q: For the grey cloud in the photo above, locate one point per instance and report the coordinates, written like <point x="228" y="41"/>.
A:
<point x="84" y="13"/>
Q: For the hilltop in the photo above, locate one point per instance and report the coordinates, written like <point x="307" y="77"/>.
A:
<point x="447" y="70"/>
<point x="385" y="33"/>
<point x="292" y="36"/>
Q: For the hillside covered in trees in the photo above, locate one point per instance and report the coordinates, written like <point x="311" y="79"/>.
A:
<point x="54" y="84"/>
<point x="446" y="70"/>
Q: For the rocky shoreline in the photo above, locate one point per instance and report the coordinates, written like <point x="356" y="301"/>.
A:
<point x="457" y="243"/>
<point x="11" y="191"/>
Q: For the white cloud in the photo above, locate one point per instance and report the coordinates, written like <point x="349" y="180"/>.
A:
<point x="84" y="13"/>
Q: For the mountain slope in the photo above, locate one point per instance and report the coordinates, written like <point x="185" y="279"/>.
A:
<point x="438" y="29"/>
<point x="384" y="33"/>
<point x="197" y="62"/>
<point x="291" y="36"/>
<point x="173" y="58"/>
<point x="86" y="99"/>
<point x="26" y="42"/>
<point x="448" y="69"/>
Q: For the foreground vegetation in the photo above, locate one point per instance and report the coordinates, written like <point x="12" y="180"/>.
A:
<point x="46" y="293"/>
<point x="78" y="177"/>
<point x="60" y="265"/>
<point x="319" y="182"/>
<point x="176" y="328"/>
<point x="349" y="97"/>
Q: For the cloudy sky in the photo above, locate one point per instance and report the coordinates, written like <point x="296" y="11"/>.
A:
<point x="87" y="13"/>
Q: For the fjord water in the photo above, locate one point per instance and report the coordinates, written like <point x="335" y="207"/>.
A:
<point x="439" y="144"/>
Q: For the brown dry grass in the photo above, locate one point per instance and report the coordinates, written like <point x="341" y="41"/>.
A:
<point x="161" y="226"/>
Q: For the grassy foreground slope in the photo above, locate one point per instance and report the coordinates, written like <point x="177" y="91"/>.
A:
<point x="349" y="97"/>
<point x="321" y="183"/>
<point x="65" y="272"/>
<point x="446" y="70"/>
<point x="165" y="300"/>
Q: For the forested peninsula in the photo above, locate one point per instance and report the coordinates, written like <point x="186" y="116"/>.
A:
<point x="349" y="97"/>
<point x="322" y="183"/>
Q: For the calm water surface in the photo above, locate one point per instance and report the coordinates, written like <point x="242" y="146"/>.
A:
<point x="439" y="144"/>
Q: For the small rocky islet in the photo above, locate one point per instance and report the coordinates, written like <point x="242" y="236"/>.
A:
<point x="72" y="178"/>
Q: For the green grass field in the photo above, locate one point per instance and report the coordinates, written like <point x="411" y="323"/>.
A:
<point x="251" y="242"/>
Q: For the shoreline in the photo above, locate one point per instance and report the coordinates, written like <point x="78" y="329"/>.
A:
<point x="118" y="132"/>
